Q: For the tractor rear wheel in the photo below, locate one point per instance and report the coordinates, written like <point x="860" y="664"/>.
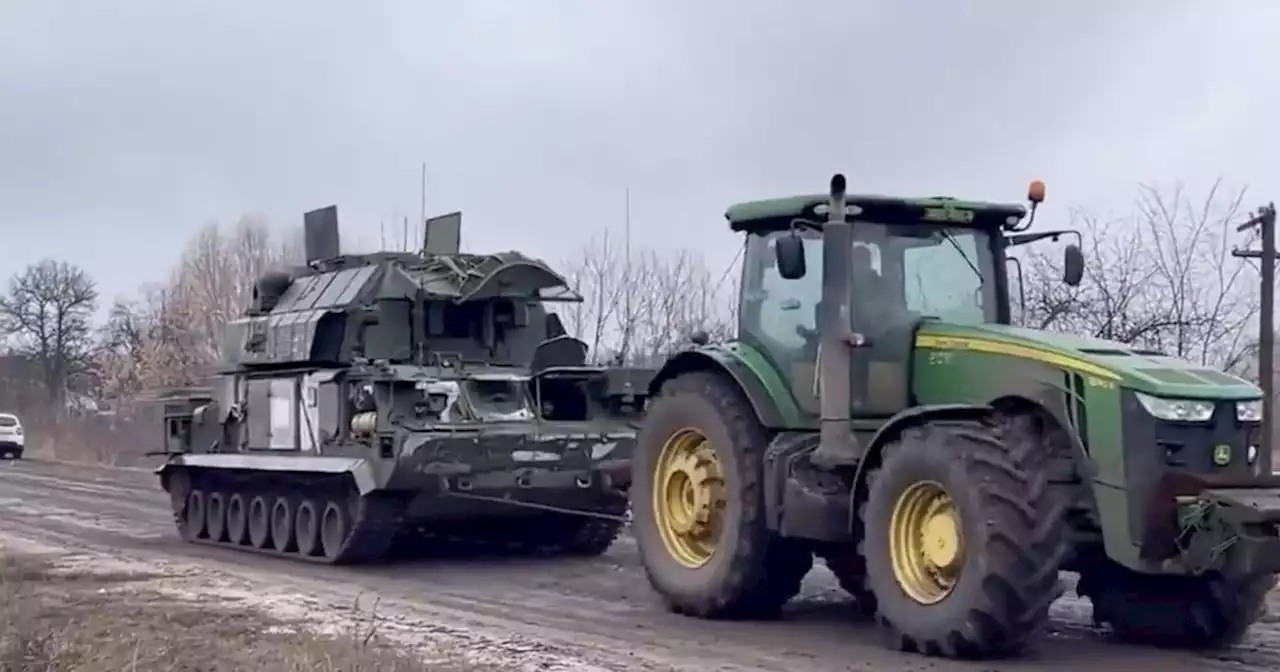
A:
<point x="963" y="539"/>
<point x="698" y="507"/>
<point x="1202" y="612"/>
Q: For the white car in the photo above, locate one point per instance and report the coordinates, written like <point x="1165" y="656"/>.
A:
<point x="12" y="441"/>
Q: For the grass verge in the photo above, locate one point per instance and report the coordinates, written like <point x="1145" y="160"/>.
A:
<point x="55" y="621"/>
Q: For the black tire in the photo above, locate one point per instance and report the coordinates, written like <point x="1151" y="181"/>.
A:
<point x="752" y="572"/>
<point x="215" y="516"/>
<point x="284" y="513"/>
<point x="335" y="527"/>
<point x="259" y="522"/>
<point x="237" y="520"/>
<point x="306" y="527"/>
<point x="1013" y="532"/>
<point x="192" y="523"/>
<point x="1184" y="612"/>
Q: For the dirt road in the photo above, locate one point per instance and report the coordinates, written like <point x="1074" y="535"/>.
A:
<point x="548" y="614"/>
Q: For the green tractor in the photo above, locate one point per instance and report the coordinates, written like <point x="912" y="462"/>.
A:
<point x="879" y="411"/>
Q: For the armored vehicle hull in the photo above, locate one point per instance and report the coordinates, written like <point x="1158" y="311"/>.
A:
<point x="556" y="490"/>
<point x="373" y="405"/>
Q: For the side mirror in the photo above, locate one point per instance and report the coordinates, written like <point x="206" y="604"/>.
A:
<point x="789" y="253"/>
<point x="1072" y="265"/>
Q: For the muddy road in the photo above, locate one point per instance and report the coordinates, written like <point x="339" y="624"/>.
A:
<point x="593" y="614"/>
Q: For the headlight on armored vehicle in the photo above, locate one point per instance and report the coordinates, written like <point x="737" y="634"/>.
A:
<point x="1178" y="410"/>
<point x="1249" y="411"/>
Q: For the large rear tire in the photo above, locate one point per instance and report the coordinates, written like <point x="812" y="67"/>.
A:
<point x="698" y="507"/>
<point x="1204" y="612"/>
<point x="964" y="539"/>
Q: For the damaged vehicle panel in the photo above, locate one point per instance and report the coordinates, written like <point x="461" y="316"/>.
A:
<point x="394" y="400"/>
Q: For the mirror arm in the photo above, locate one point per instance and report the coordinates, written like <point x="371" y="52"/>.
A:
<point x="1025" y="238"/>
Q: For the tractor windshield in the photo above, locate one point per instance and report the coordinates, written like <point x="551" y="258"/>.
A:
<point x="947" y="273"/>
<point x="942" y="272"/>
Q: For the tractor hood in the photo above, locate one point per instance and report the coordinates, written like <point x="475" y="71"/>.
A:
<point x="1131" y="367"/>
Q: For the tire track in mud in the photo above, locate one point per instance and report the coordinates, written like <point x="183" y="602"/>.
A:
<point x="602" y="607"/>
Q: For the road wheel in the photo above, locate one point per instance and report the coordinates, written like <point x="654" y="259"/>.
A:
<point x="283" y="514"/>
<point x="335" y="526"/>
<point x="259" y="522"/>
<point x="1205" y="612"/>
<point x="193" y="523"/>
<point x="698" y="507"/>
<point x="306" y="527"/>
<point x="237" y="521"/>
<point x="216" y="516"/>
<point x="963" y="539"/>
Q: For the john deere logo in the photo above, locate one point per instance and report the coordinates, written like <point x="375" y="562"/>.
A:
<point x="1222" y="454"/>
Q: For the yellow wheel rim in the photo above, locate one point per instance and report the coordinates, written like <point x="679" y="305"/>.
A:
<point x="926" y="545"/>
<point x="688" y="497"/>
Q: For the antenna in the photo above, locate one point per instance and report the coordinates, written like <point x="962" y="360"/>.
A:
<point x="422" y="204"/>
<point x="626" y="274"/>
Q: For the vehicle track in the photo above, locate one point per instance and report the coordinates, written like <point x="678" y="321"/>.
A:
<point x="600" y="609"/>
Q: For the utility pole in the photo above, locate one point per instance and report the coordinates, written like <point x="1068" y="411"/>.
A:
<point x="1265" y="221"/>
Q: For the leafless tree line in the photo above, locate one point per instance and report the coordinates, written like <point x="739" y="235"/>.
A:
<point x="60" y="369"/>
<point x="1161" y="276"/>
<point x="641" y="307"/>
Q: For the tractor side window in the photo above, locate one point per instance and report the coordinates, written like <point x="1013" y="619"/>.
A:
<point x="939" y="280"/>
<point x="786" y="316"/>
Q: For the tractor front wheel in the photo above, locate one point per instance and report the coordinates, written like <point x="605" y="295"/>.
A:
<point x="963" y="539"/>
<point x="698" y="507"/>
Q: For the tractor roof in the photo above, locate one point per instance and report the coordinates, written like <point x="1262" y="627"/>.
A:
<point x="777" y="213"/>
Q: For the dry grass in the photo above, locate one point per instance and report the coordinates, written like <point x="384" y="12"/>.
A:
<point x="55" y="622"/>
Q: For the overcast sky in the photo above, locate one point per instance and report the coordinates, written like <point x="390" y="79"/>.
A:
<point x="125" y="126"/>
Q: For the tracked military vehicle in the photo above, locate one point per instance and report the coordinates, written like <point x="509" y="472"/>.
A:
<point x="383" y="401"/>
<point x="879" y="410"/>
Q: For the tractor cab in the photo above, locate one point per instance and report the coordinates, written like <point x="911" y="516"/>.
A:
<point x="904" y="261"/>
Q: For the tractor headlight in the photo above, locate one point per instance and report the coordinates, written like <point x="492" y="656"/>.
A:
<point x="1252" y="454"/>
<point x="1249" y="411"/>
<point x="1178" y="410"/>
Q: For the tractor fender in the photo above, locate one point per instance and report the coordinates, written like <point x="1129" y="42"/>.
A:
<point x="723" y="361"/>
<point x="893" y="428"/>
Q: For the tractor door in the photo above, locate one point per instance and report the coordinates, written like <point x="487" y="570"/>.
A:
<point x="877" y="310"/>
<point x="778" y="316"/>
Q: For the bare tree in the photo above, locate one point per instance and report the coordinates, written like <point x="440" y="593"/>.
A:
<point x="643" y="309"/>
<point x="1161" y="278"/>
<point x="48" y="309"/>
<point x="172" y="333"/>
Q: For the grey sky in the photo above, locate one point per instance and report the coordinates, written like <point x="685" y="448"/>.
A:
<point x="125" y="126"/>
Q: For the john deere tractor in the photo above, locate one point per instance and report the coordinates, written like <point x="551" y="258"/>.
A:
<point x="879" y="411"/>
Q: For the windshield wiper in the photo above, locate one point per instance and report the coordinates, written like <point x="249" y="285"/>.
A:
<point x="956" y="244"/>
